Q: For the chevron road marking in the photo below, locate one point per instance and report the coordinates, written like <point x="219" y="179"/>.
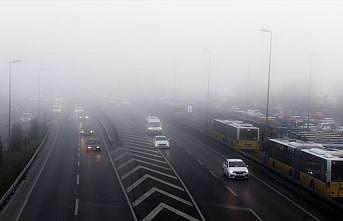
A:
<point x="147" y="176"/>
<point x="162" y="206"/>
<point x="139" y="156"/>
<point x="146" y="168"/>
<point x="156" y="190"/>
<point x="141" y="161"/>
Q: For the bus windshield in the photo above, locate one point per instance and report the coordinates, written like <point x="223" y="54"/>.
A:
<point x="248" y="134"/>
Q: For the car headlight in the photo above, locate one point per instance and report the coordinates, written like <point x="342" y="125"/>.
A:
<point x="97" y="147"/>
<point x="89" y="147"/>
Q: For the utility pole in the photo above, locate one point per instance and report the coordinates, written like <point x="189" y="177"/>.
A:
<point x="10" y="97"/>
<point x="268" y="84"/>
<point x="309" y="89"/>
<point x="208" y="85"/>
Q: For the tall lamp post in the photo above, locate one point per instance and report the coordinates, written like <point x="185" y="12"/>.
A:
<point x="268" y="86"/>
<point x="10" y="63"/>
<point x="208" y="84"/>
<point x="39" y="95"/>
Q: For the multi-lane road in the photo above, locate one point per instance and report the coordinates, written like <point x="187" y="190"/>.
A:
<point x="130" y="180"/>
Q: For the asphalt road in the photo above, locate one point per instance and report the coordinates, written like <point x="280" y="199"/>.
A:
<point x="72" y="184"/>
<point x="198" y="160"/>
<point x="130" y="180"/>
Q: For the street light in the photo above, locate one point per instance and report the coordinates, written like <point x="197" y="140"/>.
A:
<point x="208" y="84"/>
<point x="269" y="66"/>
<point x="10" y="96"/>
<point x="309" y="89"/>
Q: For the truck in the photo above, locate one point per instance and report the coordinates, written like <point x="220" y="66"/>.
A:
<point x="153" y="125"/>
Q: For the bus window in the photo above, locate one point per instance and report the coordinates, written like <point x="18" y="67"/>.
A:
<point x="337" y="171"/>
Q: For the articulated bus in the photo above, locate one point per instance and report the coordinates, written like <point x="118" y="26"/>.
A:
<point x="236" y="133"/>
<point x="315" y="166"/>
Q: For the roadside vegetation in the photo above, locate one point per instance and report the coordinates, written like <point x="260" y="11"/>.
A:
<point x="22" y="145"/>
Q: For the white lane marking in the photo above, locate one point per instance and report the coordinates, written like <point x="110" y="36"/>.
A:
<point x="148" y="154"/>
<point x="140" y="161"/>
<point x="187" y="151"/>
<point x="77" y="179"/>
<point x="272" y="188"/>
<point x="150" y="150"/>
<point x="139" y="156"/>
<point x="200" y="162"/>
<point x="39" y="174"/>
<point x="162" y="206"/>
<point x="76" y="207"/>
<point x="231" y="191"/>
<point x="122" y="156"/>
<point x="237" y="208"/>
<point x="132" y="136"/>
<point x="78" y="163"/>
<point x="213" y="174"/>
<point x="154" y="190"/>
<point x="286" y="197"/>
<point x="146" y="176"/>
<point x="142" y="143"/>
<point x="184" y="186"/>
<point x="119" y="180"/>
<point x="255" y="214"/>
<point x="145" y="168"/>
<point x="147" y="158"/>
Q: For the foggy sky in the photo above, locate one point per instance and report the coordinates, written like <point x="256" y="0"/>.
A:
<point x="139" y="47"/>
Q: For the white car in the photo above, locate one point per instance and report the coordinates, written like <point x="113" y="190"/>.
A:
<point x="161" y="142"/>
<point x="235" y="168"/>
<point x="26" y="117"/>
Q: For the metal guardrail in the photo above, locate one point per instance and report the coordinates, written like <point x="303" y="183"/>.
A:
<point x="5" y="198"/>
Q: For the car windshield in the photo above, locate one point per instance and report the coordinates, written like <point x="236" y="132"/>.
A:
<point x="161" y="138"/>
<point x="154" y="124"/>
<point x="92" y="142"/>
<point x="237" y="164"/>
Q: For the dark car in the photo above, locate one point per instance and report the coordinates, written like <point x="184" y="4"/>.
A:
<point x="86" y="131"/>
<point x="93" y="144"/>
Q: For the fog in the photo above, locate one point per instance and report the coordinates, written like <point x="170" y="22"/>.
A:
<point x="156" y="48"/>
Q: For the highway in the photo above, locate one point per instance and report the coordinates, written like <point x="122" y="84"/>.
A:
<point x="130" y="180"/>
<point x="198" y="160"/>
<point x="70" y="183"/>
